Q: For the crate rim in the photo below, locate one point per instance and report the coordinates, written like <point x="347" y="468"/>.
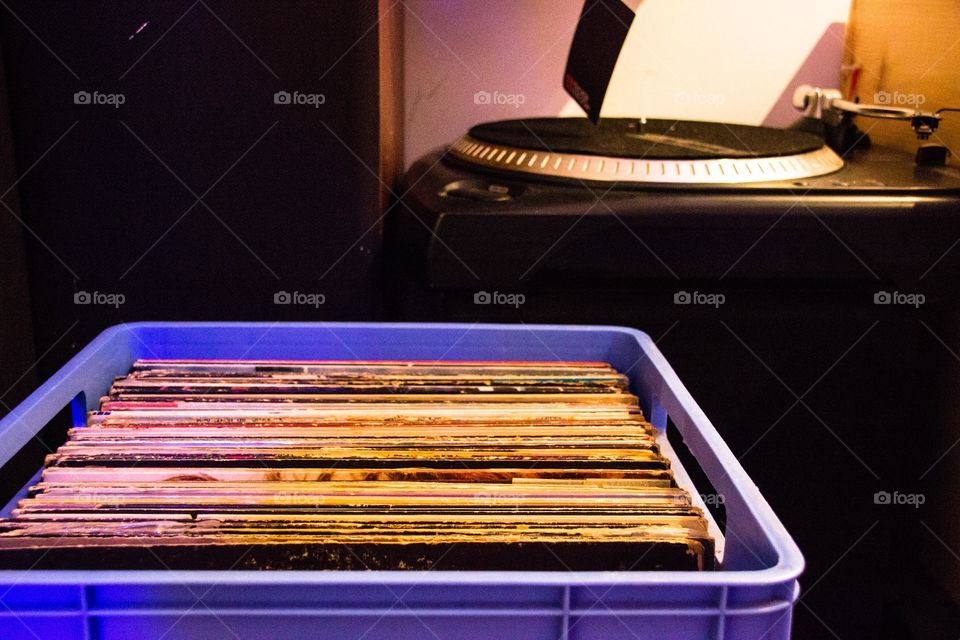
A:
<point x="790" y="562"/>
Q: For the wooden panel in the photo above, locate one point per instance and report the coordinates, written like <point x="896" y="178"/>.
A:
<point x="391" y="95"/>
<point x="911" y="52"/>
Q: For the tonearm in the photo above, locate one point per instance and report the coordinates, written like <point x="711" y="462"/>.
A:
<point x="828" y="113"/>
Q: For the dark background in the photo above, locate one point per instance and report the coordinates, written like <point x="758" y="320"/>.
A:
<point x="825" y="397"/>
<point x="107" y="197"/>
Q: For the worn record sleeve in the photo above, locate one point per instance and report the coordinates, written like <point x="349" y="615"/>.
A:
<point x="361" y="465"/>
<point x="597" y="41"/>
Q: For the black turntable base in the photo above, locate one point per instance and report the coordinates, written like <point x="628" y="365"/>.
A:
<point x="476" y="215"/>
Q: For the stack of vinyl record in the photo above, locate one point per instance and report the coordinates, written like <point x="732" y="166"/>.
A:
<point x="361" y="465"/>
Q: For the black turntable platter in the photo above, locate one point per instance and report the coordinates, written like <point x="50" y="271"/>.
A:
<point x="651" y="139"/>
<point x="647" y="151"/>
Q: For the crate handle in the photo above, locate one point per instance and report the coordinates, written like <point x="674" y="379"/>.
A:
<point x="746" y="547"/>
<point x="72" y="384"/>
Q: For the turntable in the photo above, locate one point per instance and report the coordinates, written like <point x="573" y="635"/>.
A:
<point x="644" y="152"/>
<point x="804" y="232"/>
<point x="543" y="201"/>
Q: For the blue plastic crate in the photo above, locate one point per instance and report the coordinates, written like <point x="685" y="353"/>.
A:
<point x="750" y="597"/>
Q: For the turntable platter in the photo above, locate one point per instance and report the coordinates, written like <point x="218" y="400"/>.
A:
<point x="628" y="150"/>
